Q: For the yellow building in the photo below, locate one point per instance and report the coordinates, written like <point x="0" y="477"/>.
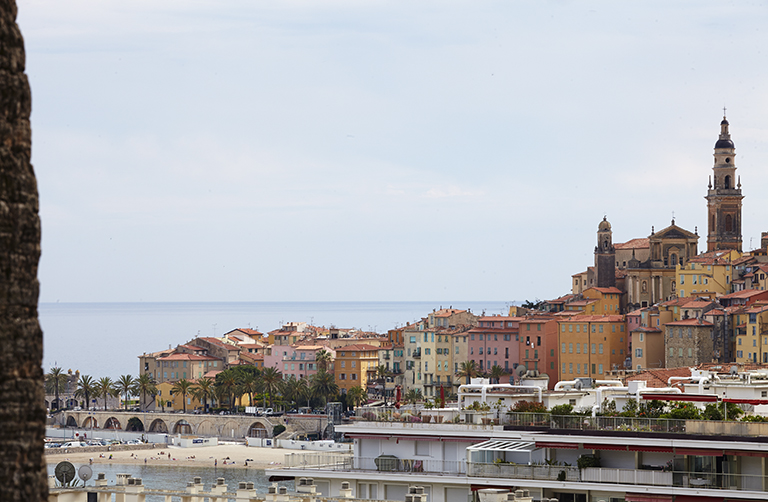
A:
<point x="710" y="272"/>
<point x="354" y="364"/>
<point x="590" y="346"/>
<point x="606" y="301"/>
<point x="174" y="402"/>
<point x="752" y="334"/>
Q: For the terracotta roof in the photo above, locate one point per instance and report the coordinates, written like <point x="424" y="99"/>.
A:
<point x="597" y="318"/>
<point x="446" y="312"/>
<point x="745" y="293"/>
<point x="711" y="257"/>
<point x="605" y="291"/>
<point x="697" y="304"/>
<point x="715" y="312"/>
<point x="180" y="356"/>
<point x="634" y="244"/>
<point x="216" y="341"/>
<point x="658" y="378"/>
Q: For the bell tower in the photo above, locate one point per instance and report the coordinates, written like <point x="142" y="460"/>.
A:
<point x="605" y="256"/>
<point x="724" y="196"/>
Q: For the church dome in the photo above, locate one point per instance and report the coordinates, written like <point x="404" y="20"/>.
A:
<point x="604" y="225"/>
<point x="724" y="143"/>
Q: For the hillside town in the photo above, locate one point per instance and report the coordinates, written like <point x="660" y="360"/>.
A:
<point x="646" y="306"/>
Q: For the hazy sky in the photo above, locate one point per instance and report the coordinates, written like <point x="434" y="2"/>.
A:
<point x="347" y="150"/>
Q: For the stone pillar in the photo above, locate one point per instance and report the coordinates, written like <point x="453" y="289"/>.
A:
<point x="22" y="465"/>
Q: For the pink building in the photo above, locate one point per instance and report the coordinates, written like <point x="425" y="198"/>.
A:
<point x="494" y="341"/>
<point x="300" y="361"/>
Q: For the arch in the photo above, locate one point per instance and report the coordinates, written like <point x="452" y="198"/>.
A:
<point x="112" y="423"/>
<point x="90" y="423"/>
<point x="644" y="286"/>
<point x="135" y="425"/>
<point x="158" y="425"/>
<point x="727" y="181"/>
<point x="207" y="428"/>
<point x="71" y="422"/>
<point x="257" y="430"/>
<point x="728" y="223"/>
<point x="182" y="427"/>
<point x="232" y="428"/>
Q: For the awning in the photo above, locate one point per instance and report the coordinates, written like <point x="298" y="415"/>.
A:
<point x="746" y="401"/>
<point x="498" y="445"/>
<point x="694" y="398"/>
<point x="631" y="497"/>
<point x="567" y="446"/>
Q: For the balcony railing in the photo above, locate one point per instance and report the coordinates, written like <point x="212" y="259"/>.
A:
<point x="681" y="479"/>
<point x="416" y="353"/>
<point x="386" y="463"/>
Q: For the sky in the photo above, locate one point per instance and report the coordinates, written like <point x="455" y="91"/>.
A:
<point x="380" y="151"/>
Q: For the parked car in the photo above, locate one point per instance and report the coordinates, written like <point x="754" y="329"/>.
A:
<point x="73" y="444"/>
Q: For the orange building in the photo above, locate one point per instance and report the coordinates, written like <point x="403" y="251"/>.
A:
<point x="354" y="365"/>
<point x="590" y="346"/>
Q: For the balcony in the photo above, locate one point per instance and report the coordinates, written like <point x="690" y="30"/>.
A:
<point x="416" y="354"/>
<point x="385" y="463"/>
<point x="386" y="356"/>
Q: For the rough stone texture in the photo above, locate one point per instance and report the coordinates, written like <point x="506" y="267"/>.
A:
<point x="22" y="412"/>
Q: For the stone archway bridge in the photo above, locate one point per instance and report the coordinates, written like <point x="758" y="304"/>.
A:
<point x="224" y="426"/>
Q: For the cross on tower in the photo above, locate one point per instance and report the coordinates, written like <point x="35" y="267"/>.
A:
<point x="723" y="112"/>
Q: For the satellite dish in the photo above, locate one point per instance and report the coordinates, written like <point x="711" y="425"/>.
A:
<point x="85" y="472"/>
<point x="65" y="472"/>
<point x="520" y="371"/>
<point x="734" y="370"/>
<point x="578" y="385"/>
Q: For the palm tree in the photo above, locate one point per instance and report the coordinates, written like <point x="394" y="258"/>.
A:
<point x="182" y="387"/>
<point x="356" y="395"/>
<point x="496" y="373"/>
<point x="323" y="359"/>
<point x="250" y="385"/>
<point x="271" y="381"/>
<point x="412" y="396"/>
<point x="56" y="381"/>
<point x="146" y="384"/>
<point x="324" y="385"/>
<point x="126" y="385"/>
<point x="467" y="369"/>
<point x="303" y="390"/>
<point x="85" y="387"/>
<point x="228" y="382"/>
<point x="105" y="388"/>
<point x="203" y="390"/>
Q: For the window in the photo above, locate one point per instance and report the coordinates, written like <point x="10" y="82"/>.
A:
<point x="638" y="353"/>
<point x="413" y="340"/>
<point x="354" y="376"/>
<point x="577" y="348"/>
<point x="563" y="368"/>
<point x="570" y="367"/>
<point x="480" y="337"/>
<point x="563" y="348"/>
<point x="593" y="348"/>
<point x="570" y="348"/>
<point x="601" y="349"/>
<point x="690" y="352"/>
<point x="680" y="352"/>
<point x="600" y="369"/>
<point x="671" y="352"/>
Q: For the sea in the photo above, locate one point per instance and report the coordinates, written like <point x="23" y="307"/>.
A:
<point x="106" y="339"/>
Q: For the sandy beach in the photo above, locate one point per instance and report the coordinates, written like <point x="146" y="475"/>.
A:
<point x="222" y="456"/>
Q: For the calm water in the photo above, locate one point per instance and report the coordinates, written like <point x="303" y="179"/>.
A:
<point x="105" y="339"/>
<point x="176" y="478"/>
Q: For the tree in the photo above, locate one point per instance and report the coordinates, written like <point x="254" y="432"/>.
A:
<point x="203" y="390"/>
<point x="146" y="384"/>
<point x="356" y="396"/>
<point x="324" y="385"/>
<point x="126" y="385"/>
<point x="271" y="381"/>
<point x="323" y="359"/>
<point x="22" y="464"/>
<point x="182" y="387"/>
<point x="85" y="387"/>
<point x="467" y="370"/>
<point x="294" y="390"/>
<point x="529" y="407"/>
<point x="227" y="381"/>
<point x="497" y="372"/>
<point x="413" y="396"/>
<point x="105" y="388"/>
<point x="56" y="382"/>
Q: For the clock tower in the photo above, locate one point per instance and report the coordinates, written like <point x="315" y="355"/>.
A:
<point x="724" y="196"/>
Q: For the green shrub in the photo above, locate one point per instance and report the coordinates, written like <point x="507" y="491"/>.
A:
<point x="277" y="430"/>
<point x="562" y="409"/>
